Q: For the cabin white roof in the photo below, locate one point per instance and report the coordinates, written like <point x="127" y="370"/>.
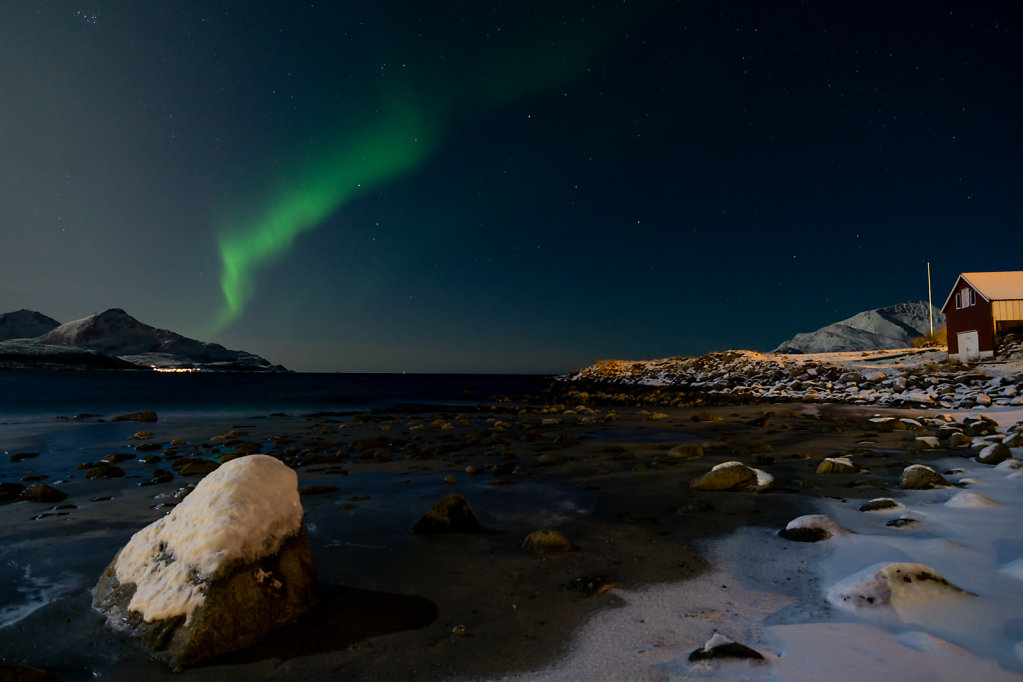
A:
<point x="993" y="286"/>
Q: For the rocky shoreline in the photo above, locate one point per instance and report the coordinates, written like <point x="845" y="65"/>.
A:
<point x="617" y="481"/>
<point x="917" y="378"/>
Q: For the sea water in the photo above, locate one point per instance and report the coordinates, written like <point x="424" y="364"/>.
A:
<point x="65" y="417"/>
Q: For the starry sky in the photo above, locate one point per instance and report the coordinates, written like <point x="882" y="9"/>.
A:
<point x="502" y="187"/>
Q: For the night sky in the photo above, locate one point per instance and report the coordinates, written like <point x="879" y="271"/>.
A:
<point x="478" y="186"/>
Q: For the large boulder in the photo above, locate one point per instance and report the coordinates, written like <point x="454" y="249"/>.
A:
<point x="226" y="566"/>
<point x="921" y="477"/>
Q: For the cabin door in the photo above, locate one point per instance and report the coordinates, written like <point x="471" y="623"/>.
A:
<point x="969" y="346"/>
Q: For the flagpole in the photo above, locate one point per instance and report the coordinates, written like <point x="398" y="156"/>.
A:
<point x="930" y="308"/>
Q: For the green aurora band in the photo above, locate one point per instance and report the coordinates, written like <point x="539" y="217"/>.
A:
<point x="394" y="145"/>
<point x="399" y="140"/>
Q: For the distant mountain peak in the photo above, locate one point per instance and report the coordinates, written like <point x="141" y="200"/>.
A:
<point x="894" y="326"/>
<point x="25" y="324"/>
<point x="115" y="333"/>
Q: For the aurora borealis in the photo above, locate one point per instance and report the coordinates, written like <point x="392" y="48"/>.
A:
<point x="491" y="187"/>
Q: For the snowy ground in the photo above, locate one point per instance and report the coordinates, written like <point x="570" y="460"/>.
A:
<point x="773" y="595"/>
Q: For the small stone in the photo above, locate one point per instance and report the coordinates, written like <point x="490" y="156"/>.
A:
<point x="547" y="541"/>
<point x="719" y="647"/>
<point x="144" y="416"/>
<point x="880" y="504"/>
<point x="147" y="447"/>
<point x="105" y="471"/>
<point x="452" y="514"/>
<point x="726" y="476"/>
<point x="21" y="456"/>
<point x="16" y="672"/>
<point x="40" y="492"/>
<point x="903" y="522"/>
<point x="199" y="468"/>
<point x="697" y="507"/>
<point x="317" y="489"/>
<point x="592" y="585"/>
<point x="686" y="451"/>
<point x="837" y="465"/>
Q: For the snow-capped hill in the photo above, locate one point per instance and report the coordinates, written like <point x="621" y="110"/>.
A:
<point x="884" y="328"/>
<point x="116" y="333"/>
<point x="25" y="324"/>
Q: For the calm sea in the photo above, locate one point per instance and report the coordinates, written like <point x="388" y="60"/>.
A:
<point x="32" y="396"/>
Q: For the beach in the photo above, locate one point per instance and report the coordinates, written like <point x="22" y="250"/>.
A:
<point x="396" y="605"/>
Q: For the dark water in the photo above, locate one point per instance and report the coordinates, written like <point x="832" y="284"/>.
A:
<point x="48" y="555"/>
<point x="26" y="396"/>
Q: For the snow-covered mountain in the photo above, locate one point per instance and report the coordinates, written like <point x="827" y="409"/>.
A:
<point x="883" y="328"/>
<point x="25" y="324"/>
<point x="114" y="334"/>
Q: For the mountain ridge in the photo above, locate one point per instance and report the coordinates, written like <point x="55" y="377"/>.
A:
<point x="893" y="326"/>
<point x="125" y="341"/>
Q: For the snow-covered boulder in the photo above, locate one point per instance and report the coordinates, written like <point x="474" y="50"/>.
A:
<point x="733" y="476"/>
<point x="811" y="528"/>
<point x="837" y="465"/>
<point x="897" y="586"/>
<point x="995" y="453"/>
<point x="921" y="477"/>
<point x="227" y="565"/>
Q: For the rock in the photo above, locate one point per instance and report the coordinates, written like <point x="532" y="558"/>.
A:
<point x="994" y="454"/>
<point x="192" y="595"/>
<point x="15" y="672"/>
<point x="727" y="476"/>
<point x="880" y="504"/>
<point x="453" y="514"/>
<point x="144" y="416"/>
<point x="983" y="400"/>
<point x="592" y="585"/>
<point x="147" y="447"/>
<point x="9" y="492"/>
<point x="921" y="477"/>
<point x="967" y="499"/>
<point x="837" y="465"/>
<point x="903" y="522"/>
<point x="40" y="492"/>
<point x="697" y="507"/>
<point x="317" y="489"/>
<point x="979" y="425"/>
<point x="811" y="528"/>
<point x="706" y="417"/>
<point x="720" y="647"/>
<point x="755" y="449"/>
<point x="200" y="467"/>
<point x="958" y="440"/>
<point x="105" y="471"/>
<point x="22" y="456"/>
<point x="547" y="541"/>
<point x="686" y="451"/>
<point x="926" y="442"/>
<point x="892" y="585"/>
<point x="247" y="448"/>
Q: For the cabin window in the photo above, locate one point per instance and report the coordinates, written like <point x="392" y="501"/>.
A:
<point x="966" y="298"/>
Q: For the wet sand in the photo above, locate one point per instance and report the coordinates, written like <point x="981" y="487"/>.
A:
<point x="402" y="606"/>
